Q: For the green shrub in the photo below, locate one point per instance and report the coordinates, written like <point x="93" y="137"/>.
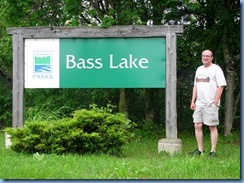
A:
<point x="96" y="130"/>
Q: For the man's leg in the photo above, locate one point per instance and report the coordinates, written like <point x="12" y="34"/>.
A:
<point x="214" y="137"/>
<point x="199" y="135"/>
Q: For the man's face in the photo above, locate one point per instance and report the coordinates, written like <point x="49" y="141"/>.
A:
<point x="207" y="58"/>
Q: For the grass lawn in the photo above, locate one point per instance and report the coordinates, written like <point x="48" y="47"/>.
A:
<point x="140" y="161"/>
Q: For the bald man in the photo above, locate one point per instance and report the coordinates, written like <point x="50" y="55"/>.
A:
<point x="208" y="87"/>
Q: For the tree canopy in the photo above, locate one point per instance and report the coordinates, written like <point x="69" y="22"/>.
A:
<point x="207" y="24"/>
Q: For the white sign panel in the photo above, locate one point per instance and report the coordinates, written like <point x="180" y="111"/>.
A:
<point x="41" y="63"/>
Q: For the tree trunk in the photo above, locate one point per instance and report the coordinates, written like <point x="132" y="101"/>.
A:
<point x="123" y="104"/>
<point x="149" y="112"/>
<point x="229" y="102"/>
<point x="6" y="77"/>
<point x="229" y="94"/>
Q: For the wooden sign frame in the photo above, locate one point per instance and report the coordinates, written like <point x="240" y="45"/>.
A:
<point x="19" y="34"/>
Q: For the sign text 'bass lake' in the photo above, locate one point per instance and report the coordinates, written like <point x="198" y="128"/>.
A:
<point x="128" y="62"/>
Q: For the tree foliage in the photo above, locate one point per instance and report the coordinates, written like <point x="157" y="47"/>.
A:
<point x="207" y="25"/>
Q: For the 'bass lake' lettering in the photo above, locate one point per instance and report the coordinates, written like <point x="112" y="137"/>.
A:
<point x="91" y="63"/>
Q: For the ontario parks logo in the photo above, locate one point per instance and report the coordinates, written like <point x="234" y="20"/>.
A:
<point x="42" y="66"/>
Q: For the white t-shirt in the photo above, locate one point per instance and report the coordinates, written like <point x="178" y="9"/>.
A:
<point x="207" y="80"/>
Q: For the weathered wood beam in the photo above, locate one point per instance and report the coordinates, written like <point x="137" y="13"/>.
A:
<point x="171" y="112"/>
<point x="94" y="32"/>
<point x="18" y="81"/>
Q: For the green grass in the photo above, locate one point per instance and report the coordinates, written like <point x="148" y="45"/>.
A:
<point x="140" y="161"/>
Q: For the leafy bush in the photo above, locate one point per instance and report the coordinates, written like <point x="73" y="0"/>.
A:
<point x="96" y="130"/>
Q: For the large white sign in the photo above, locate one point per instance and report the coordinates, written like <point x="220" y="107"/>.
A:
<point x="95" y="63"/>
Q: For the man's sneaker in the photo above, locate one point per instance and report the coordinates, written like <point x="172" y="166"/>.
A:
<point x="197" y="152"/>
<point x="212" y="154"/>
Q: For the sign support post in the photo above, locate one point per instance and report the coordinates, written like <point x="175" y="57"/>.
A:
<point x="18" y="81"/>
<point x="171" y="143"/>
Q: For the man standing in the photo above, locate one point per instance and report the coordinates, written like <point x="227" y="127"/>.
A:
<point x="208" y="87"/>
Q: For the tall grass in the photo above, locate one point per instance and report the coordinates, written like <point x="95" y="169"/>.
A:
<point x="140" y="161"/>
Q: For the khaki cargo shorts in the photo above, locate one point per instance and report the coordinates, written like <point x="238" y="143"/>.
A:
<point x="208" y="114"/>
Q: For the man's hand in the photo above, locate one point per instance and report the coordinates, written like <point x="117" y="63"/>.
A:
<point x="216" y="103"/>
<point x="193" y="106"/>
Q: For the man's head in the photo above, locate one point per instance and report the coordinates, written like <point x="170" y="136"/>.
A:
<point x="207" y="58"/>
